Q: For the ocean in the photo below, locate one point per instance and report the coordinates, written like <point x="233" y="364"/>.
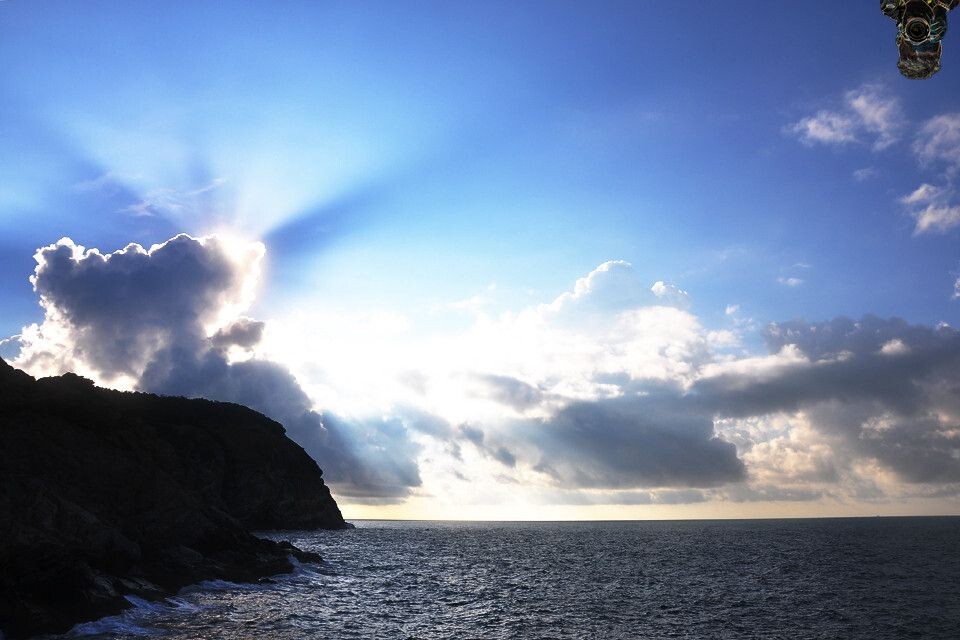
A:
<point x="796" y="579"/>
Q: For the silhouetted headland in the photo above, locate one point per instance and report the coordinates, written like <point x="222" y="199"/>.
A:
<point x="105" y="494"/>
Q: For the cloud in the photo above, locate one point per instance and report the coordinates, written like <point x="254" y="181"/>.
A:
<point x="656" y="440"/>
<point x="604" y="391"/>
<point x="478" y="438"/>
<point x="790" y="282"/>
<point x="826" y="127"/>
<point x="628" y="497"/>
<point x="938" y="142"/>
<point x="162" y="320"/>
<point x="509" y="391"/>
<point x="930" y="207"/>
<point x="895" y="347"/>
<point x="242" y="332"/>
<point x="869" y="116"/>
<point x="925" y="194"/>
<point x="612" y="287"/>
<point x="670" y="294"/>
<point x="876" y="113"/>
<point x="879" y="390"/>
<point x="118" y="310"/>
<point x="937" y="145"/>
<point x="934" y="219"/>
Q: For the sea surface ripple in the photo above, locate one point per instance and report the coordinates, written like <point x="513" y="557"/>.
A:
<point x="797" y="579"/>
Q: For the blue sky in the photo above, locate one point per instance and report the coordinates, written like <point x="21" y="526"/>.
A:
<point x="399" y="157"/>
<point x="512" y="144"/>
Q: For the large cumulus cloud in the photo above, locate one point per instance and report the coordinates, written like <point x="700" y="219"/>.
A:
<point x="116" y="311"/>
<point x="165" y="320"/>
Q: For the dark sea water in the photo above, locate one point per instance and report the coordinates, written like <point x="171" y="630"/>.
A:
<point x="850" y="578"/>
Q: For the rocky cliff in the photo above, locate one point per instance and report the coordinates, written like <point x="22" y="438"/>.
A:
<point x="105" y="493"/>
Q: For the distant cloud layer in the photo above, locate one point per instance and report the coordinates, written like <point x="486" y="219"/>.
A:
<point x="613" y="392"/>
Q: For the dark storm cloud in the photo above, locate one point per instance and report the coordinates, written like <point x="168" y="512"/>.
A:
<point x="142" y="314"/>
<point x="635" y="441"/>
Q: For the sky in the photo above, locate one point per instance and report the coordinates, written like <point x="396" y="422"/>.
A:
<point x="540" y="260"/>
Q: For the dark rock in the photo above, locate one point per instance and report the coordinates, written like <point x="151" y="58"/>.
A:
<point x="105" y="494"/>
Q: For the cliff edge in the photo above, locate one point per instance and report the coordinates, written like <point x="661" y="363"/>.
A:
<point x="106" y="493"/>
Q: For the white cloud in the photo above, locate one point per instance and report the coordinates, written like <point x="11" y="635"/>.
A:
<point x="758" y="367"/>
<point x="790" y="282"/>
<point x="579" y="346"/>
<point x="938" y="142"/>
<point x="862" y="175"/>
<point x="925" y="194"/>
<point x="670" y="294"/>
<point x="895" y="347"/>
<point x="732" y="309"/>
<point x="934" y="219"/>
<point x="877" y="114"/>
<point x="869" y="116"/>
<point x="930" y="206"/>
<point x="826" y="127"/>
<point x="612" y="286"/>
<point x="723" y="339"/>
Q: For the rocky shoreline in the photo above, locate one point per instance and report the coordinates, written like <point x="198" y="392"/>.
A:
<point x="105" y="494"/>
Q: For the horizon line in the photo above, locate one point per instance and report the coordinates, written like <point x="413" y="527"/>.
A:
<point x="873" y="517"/>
